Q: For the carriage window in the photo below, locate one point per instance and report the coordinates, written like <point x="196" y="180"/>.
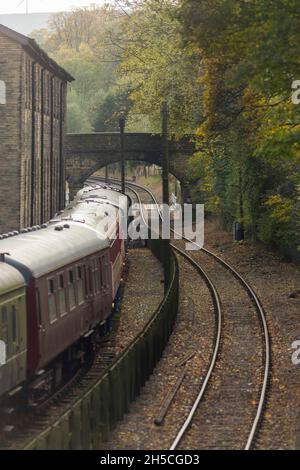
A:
<point x="71" y="290"/>
<point x="4" y="321"/>
<point x="62" y="295"/>
<point x="14" y="323"/>
<point x="104" y="274"/>
<point x="91" y="279"/>
<point x="80" y="284"/>
<point x="101" y="273"/>
<point x="38" y="303"/>
<point x="2" y="92"/>
<point x="51" y="286"/>
<point x="97" y="275"/>
<point x="51" y="301"/>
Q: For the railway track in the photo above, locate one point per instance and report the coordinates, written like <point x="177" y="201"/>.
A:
<point x="33" y="427"/>
<point x="239" y="368"/>
<point x="33" y="422"/>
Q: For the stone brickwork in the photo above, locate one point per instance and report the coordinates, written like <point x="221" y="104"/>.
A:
<point x="32" y="123"/>
<point x="10" y="138"/>
<point x="87" y="153"/>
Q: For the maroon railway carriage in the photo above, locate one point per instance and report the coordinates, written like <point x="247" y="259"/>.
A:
<point x="68" y="273"/>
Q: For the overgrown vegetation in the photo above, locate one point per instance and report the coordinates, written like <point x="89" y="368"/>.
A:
<point x="248" y="161"/>
<point x="80" y="41"/>
<point x="226" y="68"/>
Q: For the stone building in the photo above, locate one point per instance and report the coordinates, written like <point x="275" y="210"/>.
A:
<point x="33" y="92"/>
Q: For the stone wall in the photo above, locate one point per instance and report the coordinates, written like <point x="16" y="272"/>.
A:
<point x="41" y="149"/>
<point x="31" y="139"/>
<point x="10" y="69"/>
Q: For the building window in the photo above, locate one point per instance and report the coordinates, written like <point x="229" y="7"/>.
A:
<point x="2" y="92"/>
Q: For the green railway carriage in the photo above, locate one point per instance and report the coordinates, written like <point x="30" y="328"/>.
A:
<point x="13" y="329"/>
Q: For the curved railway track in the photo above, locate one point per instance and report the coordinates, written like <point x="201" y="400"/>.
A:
<point x="36" y="425"/>
<point x="34" y="421"/>
<point x="263" y="363"/>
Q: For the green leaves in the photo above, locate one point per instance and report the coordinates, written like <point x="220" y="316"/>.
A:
<point x="250" y="55"/>
<point x="157" y="66"/>
<point x="79" y="42"/>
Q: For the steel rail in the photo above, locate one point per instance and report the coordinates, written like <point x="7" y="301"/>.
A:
<point x="262" y="317"/>
<point x="219" y="324"/>
<point x="218" y="334"/>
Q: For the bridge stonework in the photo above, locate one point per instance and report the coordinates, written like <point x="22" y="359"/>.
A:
<point x="87" y="153"/>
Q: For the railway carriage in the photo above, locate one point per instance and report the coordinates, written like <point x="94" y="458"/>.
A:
<point x="13" y="333"/>
<point x="89" y="207"/>
<point x="72" y="270"/>
<point x="68" y="280"/>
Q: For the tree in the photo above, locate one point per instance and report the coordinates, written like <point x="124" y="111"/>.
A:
<point x="250" y="134"/>
<point x="77" y="40"/>
<point x="77" y="119"/>
<point x="108" y="113"/>
<point x="155" y="66"/>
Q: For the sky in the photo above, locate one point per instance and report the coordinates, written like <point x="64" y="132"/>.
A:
<point x="37" y="6"/>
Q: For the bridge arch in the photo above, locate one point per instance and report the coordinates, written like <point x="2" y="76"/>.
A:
<point x="88" y="153"/>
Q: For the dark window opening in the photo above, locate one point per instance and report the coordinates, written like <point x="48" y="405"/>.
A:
<point x="71" y="291"/>
<point x="80" y="291"/>
<point x="51" y="286"/>
<point x="38" y="302"/>
<point x="62" y="295"/>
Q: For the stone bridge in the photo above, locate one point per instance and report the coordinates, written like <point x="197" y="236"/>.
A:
<point x="87" y="153"/>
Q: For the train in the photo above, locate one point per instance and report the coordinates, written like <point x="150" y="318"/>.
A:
<point x="59" y="286"/>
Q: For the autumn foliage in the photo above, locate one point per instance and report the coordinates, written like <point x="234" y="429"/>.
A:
<point x="225" y="68"/>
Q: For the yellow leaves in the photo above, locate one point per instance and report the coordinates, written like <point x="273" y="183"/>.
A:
<point x="273" y="200"/>
<point x="157" y="65"/>
<point x="200" y="133"/>
<point x="213" y="204"/>
<point x="281" y="208"/>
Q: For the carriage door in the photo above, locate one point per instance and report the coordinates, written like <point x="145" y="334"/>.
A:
<point x="87" y="308"/>
<point x="52" y="313"/>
